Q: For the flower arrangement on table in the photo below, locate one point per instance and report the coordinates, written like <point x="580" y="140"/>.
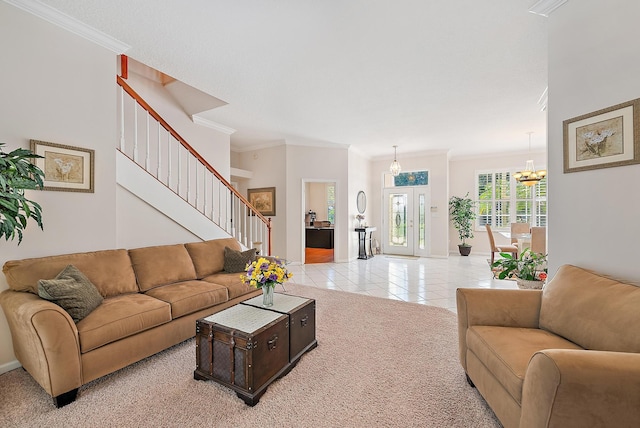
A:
<point x="266" y="273"/>
<point x="529" y="266"/>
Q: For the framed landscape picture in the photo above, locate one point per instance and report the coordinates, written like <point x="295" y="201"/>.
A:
<point x="602" y="139"/>
<point x="66" y="168"/>
<point x="264" y="199"/>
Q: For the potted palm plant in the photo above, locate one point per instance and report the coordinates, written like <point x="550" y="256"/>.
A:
<point x="18" y="174"/>
<point x="462" y="215"/>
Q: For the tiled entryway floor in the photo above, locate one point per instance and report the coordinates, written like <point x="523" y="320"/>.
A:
<point x="430" y="281"/>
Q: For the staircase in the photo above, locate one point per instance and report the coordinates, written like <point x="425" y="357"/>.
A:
<point x="156" y="164"/>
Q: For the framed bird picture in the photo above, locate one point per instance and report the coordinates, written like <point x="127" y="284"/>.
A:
<point x="66" y="168"/>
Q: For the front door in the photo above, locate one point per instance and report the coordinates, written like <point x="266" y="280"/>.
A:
<point x="406" y="221"/>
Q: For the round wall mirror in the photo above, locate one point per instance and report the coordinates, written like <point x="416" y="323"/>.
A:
<point x="361" y="202"/>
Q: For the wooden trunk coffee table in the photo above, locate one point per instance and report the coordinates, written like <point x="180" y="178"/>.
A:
<point x="247" y="347"/>
<point x="302" y="321"/>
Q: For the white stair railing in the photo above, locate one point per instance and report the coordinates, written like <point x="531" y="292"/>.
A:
<point x="175" y="164"/>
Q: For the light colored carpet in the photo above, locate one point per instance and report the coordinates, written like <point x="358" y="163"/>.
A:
<point x="379" y="362"/>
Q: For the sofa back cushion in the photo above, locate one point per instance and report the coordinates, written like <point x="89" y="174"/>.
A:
<point x="208" y="256"/>
<point x="161" y="265"/>
<point x="591" y="310"/>
<point x="109" y="270"/>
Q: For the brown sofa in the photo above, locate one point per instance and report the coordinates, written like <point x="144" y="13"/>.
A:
<point x="152" y="298"/>
<point x="564" y="356"/>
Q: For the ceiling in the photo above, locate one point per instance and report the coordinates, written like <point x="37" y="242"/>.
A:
<point x="426" y="75"/>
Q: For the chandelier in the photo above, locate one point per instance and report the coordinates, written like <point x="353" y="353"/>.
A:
<point x="395" y="167"/>
<point x="529" y="176"/>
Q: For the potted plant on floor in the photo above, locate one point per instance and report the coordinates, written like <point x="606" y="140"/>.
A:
<point x="529" y="269"/>
<point x="18" y="174"/>
<point x="462" y="215"/>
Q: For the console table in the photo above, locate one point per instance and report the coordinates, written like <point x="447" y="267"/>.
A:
<point x="365" y="250"/>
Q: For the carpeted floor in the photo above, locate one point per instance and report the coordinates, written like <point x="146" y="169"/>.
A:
<point x="379" y="363"/>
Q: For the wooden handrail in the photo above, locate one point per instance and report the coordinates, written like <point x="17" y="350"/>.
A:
<point x="128" y="89"/>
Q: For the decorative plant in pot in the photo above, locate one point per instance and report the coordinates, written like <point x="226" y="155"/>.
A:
<point x="18" y="174"/>
<point x="462" y="215"/>
<point x="529" y="269"/>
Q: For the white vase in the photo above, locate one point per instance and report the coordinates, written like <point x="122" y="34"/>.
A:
<point x="526" y="284"/>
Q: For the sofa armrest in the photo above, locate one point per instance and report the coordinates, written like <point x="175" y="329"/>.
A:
<point x="581" y="388"/>
<point x="45" y="341"/>
<point x="508" y="308"/>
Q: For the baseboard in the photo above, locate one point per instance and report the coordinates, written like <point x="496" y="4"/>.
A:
<point x="11" y="365"/>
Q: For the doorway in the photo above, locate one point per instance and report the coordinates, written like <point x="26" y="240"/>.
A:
<point x="319" y="221"/>
<point x="406" y="225"/>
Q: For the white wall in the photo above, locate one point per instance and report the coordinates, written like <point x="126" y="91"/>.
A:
<point x="316" y="164"/>
<point x="593" y="64"/>
<point x="59" y="88"/>
<point x="316" y="200"/>
<point x="268" y="168"/>
<point x="438" y="166"/>
<point x="360" y="178"/>
<point x="141" y="225"/>
<point x="463" y="179"/>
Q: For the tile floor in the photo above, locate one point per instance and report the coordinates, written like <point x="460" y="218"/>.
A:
<point x="428" y="281"/>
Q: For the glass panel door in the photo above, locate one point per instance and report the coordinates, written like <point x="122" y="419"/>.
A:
<point x="398" y="222"/>
<point x="406" y="223"/>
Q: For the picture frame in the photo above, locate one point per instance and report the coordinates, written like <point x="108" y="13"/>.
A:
<point x="264" y="199"/>
<point x="66" y="168"/>
<point x="603" y="139"/>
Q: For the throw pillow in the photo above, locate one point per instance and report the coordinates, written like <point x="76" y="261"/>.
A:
<point x="72" y="291"/>
<point x="236" y="261"/>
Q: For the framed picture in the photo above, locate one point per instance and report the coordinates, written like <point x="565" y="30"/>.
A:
<point x="264" y="199"/>
<point x="66" y="168"/>
<point x="602" y="139"/>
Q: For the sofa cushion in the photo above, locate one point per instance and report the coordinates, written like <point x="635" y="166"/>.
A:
<point x="573" y="297"/>
<point x="236" y="261"/>
<point x="161" y="265"/>
<point x="110" y="271"/>
<point x="232" y="282"/>
<point x="72" y="291"/>
<point x="506" y="351"/>
<point x="120" y="317"/>
<point x="208" y="256"/>
<point x="189" y="296"/>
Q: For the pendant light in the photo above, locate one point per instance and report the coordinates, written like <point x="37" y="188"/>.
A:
<point x="529" y="176"/>
<point x="395" y="167"/>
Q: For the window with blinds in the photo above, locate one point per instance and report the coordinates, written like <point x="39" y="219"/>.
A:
<point x="501" y="200"/>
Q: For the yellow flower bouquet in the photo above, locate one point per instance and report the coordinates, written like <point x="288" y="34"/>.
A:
<point x="265" y="272"/>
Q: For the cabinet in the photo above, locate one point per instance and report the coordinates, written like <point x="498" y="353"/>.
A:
<point x="319" y="238"/>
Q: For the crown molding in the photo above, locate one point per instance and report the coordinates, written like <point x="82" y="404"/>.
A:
<point x="267" y="145"/>
<point x="211" y="124"/>
<point x="70" y="24"/>
<point x="545" y="7"/>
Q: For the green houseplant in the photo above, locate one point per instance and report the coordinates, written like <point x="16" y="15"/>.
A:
<point x="18" y="174"/>
<point x="529" y="268"/>
<point x="462" y="215"/>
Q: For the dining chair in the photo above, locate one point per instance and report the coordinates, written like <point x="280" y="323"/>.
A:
<point x="513" y="249"/>
<point x="539" y="240"/>
<point x="517" y="229"/>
